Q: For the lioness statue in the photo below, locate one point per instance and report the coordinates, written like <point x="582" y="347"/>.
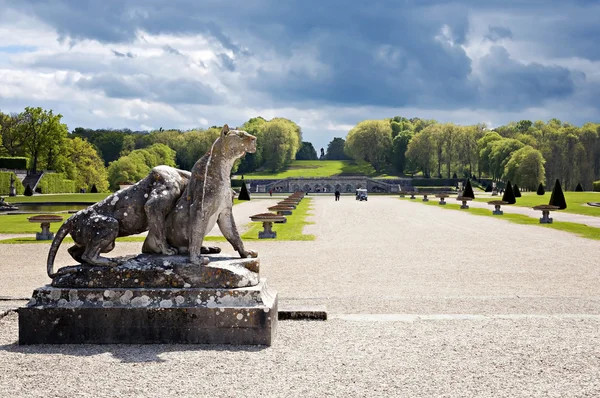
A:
<point x="139" y="208"/>
<point x="207" y="199"/>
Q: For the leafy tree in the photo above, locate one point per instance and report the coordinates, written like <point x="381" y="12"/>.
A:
<point x="42" y="133"/>
<point x="84" y="165"/>
<point x="420" y="150"/>
<point x="370" y="141"/>
<point x="526" y="167"/>
<point x="557" y="198"/>
<point x="399" y="148"/>
<point x="509" y="196"/>
<point x="540" y="190"/>
<point x="306" y="152"/>
<point x="281" y="141"/>
<point x="12" y="139"/>
<point x="335" y="150"/>
<point x="579" y="188"/>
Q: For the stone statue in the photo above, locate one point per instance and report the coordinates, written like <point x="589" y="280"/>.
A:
<point x="322" y="154"/>
<point x="12" y="190"/>
<point x="207" y="200"/>
<point x="136" y="209"/>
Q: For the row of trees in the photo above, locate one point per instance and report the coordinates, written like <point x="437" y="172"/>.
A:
<point x="106" y="157"/>
<point x="524" y="152"/>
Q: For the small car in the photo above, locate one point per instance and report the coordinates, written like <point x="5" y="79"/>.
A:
<point x="361" y="194"/>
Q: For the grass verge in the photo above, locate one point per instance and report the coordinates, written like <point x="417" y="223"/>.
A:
<point x="320" y="168"/>
<point x="292" y="230"/>
<point x="576" y="201"/>
<point x="58" y="198"/>
<point x="571" y="227"/>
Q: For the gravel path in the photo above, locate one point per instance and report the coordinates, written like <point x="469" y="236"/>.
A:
<point x="527" y="299"/>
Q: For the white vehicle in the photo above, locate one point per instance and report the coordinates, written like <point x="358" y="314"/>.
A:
<point x="361" y="194"/>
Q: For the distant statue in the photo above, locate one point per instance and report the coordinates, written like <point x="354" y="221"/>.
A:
<point x="322" y="154"/>
<point x="12" y="190"/>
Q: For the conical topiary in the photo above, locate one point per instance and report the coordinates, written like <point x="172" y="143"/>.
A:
<point x="454" y="175"/>
<point x="468" y="191"/>
<point x="28" y="191"/>
<point x="557" y="198"/>
<point x="244" y="194"/>
<point x="579" y="188"/>
<point x="94" y="189"/>
<point x="509" y="195"/>
<point x="541" y="189"/>
<point x="516" y="191"/>
<point x="489" y="188"/>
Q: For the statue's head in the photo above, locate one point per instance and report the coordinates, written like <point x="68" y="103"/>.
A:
<point x="235" y="143"/>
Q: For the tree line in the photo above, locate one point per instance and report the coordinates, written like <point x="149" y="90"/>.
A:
<point x="109" y="157"/>
<point x="524" y="152"/>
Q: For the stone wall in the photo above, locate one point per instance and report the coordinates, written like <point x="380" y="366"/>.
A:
<point x="329" y="184"/>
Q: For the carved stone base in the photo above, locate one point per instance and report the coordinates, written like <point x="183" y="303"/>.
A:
<point x="497" y="212"/>
<point x="154" y="270"/>
<point x="267" y="235"/>
<point x="149" y="315"/>
<point x="44" y="235"/>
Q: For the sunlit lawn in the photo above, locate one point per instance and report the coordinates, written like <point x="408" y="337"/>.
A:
<point x="576" y="201"/>
<point x="56" y="198"/>
<point x="575" y="228"/>
<point x="320" y="168"/>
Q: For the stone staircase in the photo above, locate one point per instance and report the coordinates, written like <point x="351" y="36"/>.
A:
<point x="32" y="179"/>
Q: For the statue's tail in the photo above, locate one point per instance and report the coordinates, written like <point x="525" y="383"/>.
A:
<point x="63" y="231"/>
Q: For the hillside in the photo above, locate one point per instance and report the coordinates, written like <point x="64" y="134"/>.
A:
<point x="319" y="168"/>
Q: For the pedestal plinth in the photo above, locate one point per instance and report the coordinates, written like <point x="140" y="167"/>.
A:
<point x="147" y="315"/>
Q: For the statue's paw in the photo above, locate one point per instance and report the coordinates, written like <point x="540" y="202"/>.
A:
<point x="200" y="260"/>
<point x="169" y="251"/>
<point x="250" y="253"/>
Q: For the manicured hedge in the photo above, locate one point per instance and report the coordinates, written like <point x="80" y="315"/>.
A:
<point x="56" y="183"/>
<point x="237" y="183"/>
<point x="5" y="183"/>
<point x="17" y="162"/>
<point x="596" y="186"/>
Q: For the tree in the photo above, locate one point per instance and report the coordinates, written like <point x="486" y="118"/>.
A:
<point x="579" y="188"/>
<point x="84" y="165"/>
<point x="509" y="196"/>
<point x="281" y="142"/>
<point x="10" y="134"/>
<point x="244" y="194"/>
<point x="42" y="133"/>
<point x="468" y="190"/>
<point x="306" y="152"/>
<point x="557" y="198"/>
<point x="399" y="148"/>
<point x="420" y="150"/>
<point x="526" y="167"/>
<point x="516" y="191"/>
<point x="370" y="141"/>
<point x="335" y="150"/>
<point x="540" y="190"/>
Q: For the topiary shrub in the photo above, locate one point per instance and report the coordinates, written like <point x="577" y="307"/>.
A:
<point x="509" y="195"/>
<point x="579" y="188"/>
<point x="28" y="191"/>
<point x="596" y="186"/>
<point x="489" y="188"/>
<point x="557" y="198"/>
<point x="244" y="194"/>
<point x="94" y="189"/>
<point x="468" y="191"/>
<point x="541" y="189"/>
<point x="516" y="191"/>
<point x="454" y="175"/>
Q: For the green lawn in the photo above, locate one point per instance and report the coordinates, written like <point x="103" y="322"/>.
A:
<point x="576" y="201"/>
<point x="292" y="229"/>
<point x="320" y="168"/>
<point x="62" y="198"/>
<point x="574" y="228"/>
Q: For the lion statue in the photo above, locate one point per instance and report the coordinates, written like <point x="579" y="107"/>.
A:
<point x="207" y="199"/>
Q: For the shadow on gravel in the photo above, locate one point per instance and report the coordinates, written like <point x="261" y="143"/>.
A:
<point x="126" y="353"/>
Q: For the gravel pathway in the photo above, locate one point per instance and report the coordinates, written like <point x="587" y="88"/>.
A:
<point x="424" y="302"/>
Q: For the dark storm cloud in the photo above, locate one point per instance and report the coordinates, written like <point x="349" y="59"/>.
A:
<point x="381" y="53"/>
<point x="175" y="91"/>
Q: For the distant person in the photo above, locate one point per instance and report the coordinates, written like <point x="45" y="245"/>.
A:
<point x="337" y="195"/>
<point x="270" y="192"/>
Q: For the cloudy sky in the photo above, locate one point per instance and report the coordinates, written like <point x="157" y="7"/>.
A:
<point x="325" y="64"/>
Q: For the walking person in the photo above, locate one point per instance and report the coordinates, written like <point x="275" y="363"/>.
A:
<point x="337" y="195"/>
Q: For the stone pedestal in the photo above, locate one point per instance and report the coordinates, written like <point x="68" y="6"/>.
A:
<point x="425" y="198"/>
<point x="268" y="232"/>
<point x="497" y="212"/>
<point x="45" y="234"/>
<point x="12" y="191"/>
<point x="546" y="219"/>
<point x="173" y="303"/>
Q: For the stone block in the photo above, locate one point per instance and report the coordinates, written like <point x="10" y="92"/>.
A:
<point x="267" y="235"/>
<point x="44" y="235"/>
<point x="57" y="315"/>
<point x="497" y="212"/>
